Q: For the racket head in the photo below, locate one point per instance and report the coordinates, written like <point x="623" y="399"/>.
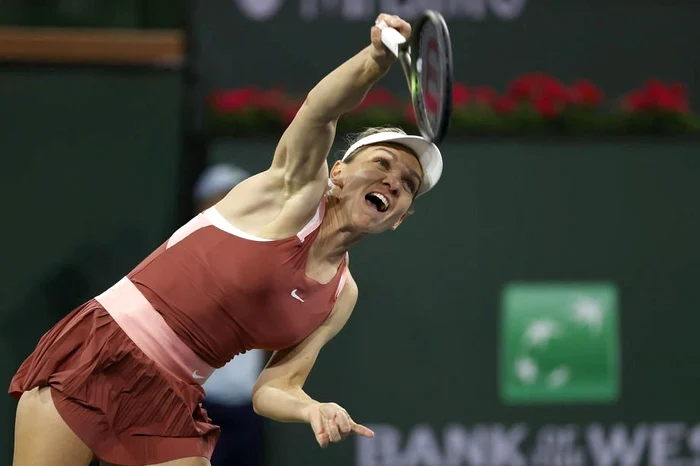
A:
<point x="431" y="75"/>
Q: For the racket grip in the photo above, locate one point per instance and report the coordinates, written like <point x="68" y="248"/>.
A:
<point x="391" y="38"/>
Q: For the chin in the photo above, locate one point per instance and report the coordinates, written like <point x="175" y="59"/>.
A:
<point x="370" y="225"/>
<point x="368" y="222"/>
<point x="365" y="224"/>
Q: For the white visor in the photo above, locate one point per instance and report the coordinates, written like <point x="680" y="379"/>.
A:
<point x="428" y="154"/>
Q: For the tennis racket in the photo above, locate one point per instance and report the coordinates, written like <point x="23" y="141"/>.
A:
<point x="426" y="60"/>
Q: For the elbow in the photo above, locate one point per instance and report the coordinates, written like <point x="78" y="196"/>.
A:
<point x="255" y="399"/>
<point x="257" y="409"/>
<point x="263" y="397"/>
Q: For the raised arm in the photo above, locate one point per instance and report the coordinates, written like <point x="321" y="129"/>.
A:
<point x="278" y="393"/>
<point x="302" y="151"/>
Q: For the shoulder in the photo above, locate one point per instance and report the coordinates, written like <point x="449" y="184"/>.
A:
<point x="262" y="206"/>
<point x="350" y="288"/>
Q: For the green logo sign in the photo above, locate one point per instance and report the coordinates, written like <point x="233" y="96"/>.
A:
<point x="559" y="343"/>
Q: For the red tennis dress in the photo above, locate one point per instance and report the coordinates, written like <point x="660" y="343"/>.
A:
<point x="127" y="367"/>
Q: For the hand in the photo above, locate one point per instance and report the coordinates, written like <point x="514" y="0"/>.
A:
<point x="331" y="423"/>
<point x="378" y="49"/>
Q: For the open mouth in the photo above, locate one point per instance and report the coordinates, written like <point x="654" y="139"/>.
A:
<point x="378" y="201"/>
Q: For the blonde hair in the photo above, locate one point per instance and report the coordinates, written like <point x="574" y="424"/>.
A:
<point x="354" y="137"/>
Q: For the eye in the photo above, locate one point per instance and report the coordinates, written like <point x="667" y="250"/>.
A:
<point x="383" y="163"/>
<point x="409" y="186"/>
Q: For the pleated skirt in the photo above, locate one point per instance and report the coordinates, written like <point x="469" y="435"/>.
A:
<point x="126" y="408"/>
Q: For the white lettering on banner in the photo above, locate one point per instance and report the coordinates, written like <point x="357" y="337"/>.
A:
<point x="385" y="451"/>
<point x="662" y="444"/>
<point x="473" y="9"/>
<point x="350" y="10"/>
<point x="665" y="444"/>
<point x="557" y="445"/>
<point x="259" y="10"/>
<point x="422" y="448"/>
<point x="694" y="440"/>
<point x="617" y="447"/>
<point x="462" y="445"/>
<point x="505" y="444"/>
<point x="495" y="445"/>
<point x="367" y="10"/>
<point x="507" y="9"/>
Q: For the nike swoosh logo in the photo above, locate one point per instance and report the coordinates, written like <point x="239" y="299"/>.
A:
<point x="197" y="376"/>
<point x="296" y="296"/>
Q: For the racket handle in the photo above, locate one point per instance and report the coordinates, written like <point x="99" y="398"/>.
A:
<point x="391" y="38"/>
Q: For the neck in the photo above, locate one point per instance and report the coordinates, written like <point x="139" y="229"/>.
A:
<point x="335" y="236"/>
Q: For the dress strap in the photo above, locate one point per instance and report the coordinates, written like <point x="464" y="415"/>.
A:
<point x="315" y="222"/>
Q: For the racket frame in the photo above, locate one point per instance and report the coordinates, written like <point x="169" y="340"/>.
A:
<point x="407" y="54"/>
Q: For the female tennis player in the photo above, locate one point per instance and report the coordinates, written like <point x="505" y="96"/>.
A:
<point x="119" y="378"/>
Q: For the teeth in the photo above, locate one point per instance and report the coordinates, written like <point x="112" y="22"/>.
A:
<point x="381" y="197"/>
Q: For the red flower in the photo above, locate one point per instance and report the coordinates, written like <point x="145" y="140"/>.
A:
<point x="522" y="88"/>
<point x="679" y="89"/>
<point x="485" y="95"/>
<point x="410" y="114"/>
<point x="584" y="92"/>
<point x="655" y="95"/>
<point x="661" y="97"/>
<point x="504" y="105"/>
<point x="460" y="95"/>
<point x="546" y="106"/>
<point x="553" y="89"/>
<point x="273" y="100"/>
<point x="636" y="101"/>
<point x="290" y="110"/>
<point x="235" y="99"/>
<point x="377" y="97"/>
<point x="531" y="86"/>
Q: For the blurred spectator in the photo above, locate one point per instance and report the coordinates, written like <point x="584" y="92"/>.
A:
<point x="215" y="182"/>
<point x="228" y="400"/>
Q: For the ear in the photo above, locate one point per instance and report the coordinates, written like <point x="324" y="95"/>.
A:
<point x="334" y="176"/>
<point x="398" y="222"/>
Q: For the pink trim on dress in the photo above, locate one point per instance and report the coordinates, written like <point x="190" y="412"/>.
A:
<point x="200" y="221"/>
<point x="220" y="222"/>
<point x="343" y="277"/>
<point x="148" y="330"/>
<point x="314" y="222"/>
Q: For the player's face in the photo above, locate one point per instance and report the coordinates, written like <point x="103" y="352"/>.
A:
<point x="379" y="185"/>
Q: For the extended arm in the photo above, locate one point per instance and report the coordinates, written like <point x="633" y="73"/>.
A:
<point x="302" y="151"/>
<point x="278" y="394"/>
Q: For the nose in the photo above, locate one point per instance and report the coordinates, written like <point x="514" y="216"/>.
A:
<point x="393" y="184"/>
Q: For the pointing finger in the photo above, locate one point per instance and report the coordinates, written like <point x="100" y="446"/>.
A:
<point x="359" y="429"/>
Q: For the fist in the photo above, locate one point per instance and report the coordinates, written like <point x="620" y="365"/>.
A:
<point x="393" y="21"/>
<point x="331" y="423"/>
